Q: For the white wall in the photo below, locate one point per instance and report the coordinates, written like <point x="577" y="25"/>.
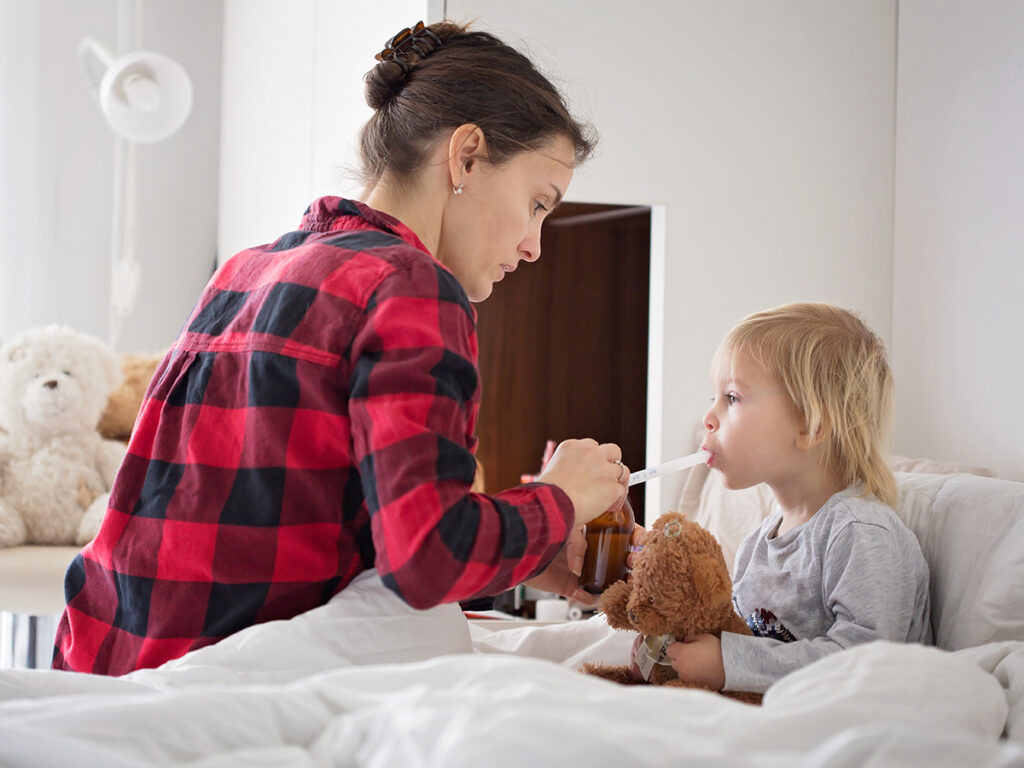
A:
<point x="56" y="171"/>
<point x="958" y="313"/>
<point x="293" y="106"/>
<point x="766" y="132"/>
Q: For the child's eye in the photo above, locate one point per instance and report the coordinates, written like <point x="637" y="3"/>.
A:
<point x="731" y="399"/>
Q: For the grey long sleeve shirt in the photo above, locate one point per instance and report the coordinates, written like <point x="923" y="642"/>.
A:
<point x="851" y="574"/>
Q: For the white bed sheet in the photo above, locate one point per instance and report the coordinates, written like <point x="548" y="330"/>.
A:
<point x="366" y="681"/>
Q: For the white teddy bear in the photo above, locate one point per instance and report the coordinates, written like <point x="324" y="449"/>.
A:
<point x="54" y="385"/>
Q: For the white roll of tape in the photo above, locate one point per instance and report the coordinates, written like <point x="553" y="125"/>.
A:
<point x="552" y="610"/>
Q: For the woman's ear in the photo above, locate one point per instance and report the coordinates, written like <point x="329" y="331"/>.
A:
<point x="466" y="145"/>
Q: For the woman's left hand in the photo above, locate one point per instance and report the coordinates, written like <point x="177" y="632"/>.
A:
<point x="698" y="659"/>
<point x="634" y="541"/>
<point x="562" y="576"/>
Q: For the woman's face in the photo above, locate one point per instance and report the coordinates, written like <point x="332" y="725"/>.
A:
<point x="495" y="223"/>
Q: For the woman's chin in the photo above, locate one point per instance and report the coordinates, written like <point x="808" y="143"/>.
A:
<point x="478" y="293"/>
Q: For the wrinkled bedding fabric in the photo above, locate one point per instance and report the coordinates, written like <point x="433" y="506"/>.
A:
<point x="366" y="681"/>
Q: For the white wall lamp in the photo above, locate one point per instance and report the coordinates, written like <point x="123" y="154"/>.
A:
<point x="145" y="98"/>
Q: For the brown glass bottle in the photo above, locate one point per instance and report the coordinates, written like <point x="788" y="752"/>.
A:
<point x="608" y="542"/>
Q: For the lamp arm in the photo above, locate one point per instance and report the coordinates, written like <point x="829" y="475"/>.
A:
<point x="94" y="60"/>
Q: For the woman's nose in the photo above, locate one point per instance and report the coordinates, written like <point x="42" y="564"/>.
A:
<point x="530" y="252"/>
<point x="529" y="248"/>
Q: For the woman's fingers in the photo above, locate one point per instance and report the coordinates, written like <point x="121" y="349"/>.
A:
<point x="635" y="544"/>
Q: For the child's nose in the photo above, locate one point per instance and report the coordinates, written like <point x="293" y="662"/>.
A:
<point x="710" y="422"/>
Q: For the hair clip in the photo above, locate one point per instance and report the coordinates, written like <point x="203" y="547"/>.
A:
<point x="410" y="38"/>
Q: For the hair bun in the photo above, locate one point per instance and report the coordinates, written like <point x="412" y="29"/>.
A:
<point x="384" y="82"/>
<point x="402" y="52"/>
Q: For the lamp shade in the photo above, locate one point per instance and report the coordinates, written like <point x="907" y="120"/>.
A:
<point x="144" y="96"/>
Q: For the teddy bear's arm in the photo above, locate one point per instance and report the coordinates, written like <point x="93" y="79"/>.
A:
<point x="736" y="625"/>
<point x="12" y="527"/>
<point x="109" y="456"/>
<point x="6" y="450"/>
<point x="614" y="603"/>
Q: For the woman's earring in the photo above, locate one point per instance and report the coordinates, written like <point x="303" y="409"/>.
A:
<point x="457" y="190"/>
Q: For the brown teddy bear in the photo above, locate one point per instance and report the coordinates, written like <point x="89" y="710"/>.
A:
<point x="122" y="407"/>
<point x="116" y="423"/>
<point x="679" y="586"/>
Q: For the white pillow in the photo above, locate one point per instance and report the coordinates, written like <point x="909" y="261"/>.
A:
<point x="731" y="515"/>
<point x="971" y="530"/>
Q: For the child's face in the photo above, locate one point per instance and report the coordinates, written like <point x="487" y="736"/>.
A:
<point x="753" y="432"/>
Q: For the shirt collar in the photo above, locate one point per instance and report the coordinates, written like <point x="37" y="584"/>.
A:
<point x="336" y="214"/>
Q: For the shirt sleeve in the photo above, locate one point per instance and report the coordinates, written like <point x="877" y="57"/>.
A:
<point x="414" y="396"/>
<point x="865" y="586"/>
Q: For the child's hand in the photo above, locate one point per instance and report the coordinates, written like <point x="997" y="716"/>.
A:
<point x="698" y="659"/>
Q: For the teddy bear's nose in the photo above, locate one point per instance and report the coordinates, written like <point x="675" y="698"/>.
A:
<point x="632" y="615"/>
<point x="51" y="384"/>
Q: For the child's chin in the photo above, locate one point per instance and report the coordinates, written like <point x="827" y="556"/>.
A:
<point x="734" y="484"/>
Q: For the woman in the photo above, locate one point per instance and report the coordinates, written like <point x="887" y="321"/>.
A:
<point x="315" y="417"/>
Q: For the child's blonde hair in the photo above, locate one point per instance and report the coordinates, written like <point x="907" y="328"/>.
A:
<point x="835" y="371"/>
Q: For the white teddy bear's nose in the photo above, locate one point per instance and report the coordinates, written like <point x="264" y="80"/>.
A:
<point x="51" y="384"/>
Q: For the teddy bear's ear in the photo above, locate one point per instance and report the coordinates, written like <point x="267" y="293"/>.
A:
<point x="16" y="352"/>
<point x="670" y="525"/>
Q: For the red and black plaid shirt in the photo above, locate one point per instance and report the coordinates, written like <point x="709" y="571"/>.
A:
<point x="314" y="419"/>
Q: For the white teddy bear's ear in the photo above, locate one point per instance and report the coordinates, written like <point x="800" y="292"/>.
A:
<point x="16" y="352"/>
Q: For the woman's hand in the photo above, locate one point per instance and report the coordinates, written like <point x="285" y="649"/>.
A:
<point x="592" y="475"/>
<point x="698" y="659"/>
<point x="562" y="576"/>
<point x="635" y="540"/>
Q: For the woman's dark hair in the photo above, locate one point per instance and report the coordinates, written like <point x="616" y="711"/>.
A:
<point x="463" y="77"/>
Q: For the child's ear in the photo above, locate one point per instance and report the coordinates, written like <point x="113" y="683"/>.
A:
<point x="811" y="435"/>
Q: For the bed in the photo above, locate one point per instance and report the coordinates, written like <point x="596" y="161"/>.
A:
<point x="366" y="681"/>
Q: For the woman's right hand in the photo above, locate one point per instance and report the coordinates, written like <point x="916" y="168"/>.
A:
<point x="591" y="476"/>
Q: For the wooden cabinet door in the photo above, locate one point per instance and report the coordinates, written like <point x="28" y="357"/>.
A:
<point x="563" y="344"/>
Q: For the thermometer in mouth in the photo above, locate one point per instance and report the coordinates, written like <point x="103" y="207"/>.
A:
<point x="643" y="475"/>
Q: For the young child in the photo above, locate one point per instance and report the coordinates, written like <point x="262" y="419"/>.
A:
<point x="802" y="400"/>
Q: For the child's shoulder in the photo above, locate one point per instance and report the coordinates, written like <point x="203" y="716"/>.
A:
<point x="848" y="509"/>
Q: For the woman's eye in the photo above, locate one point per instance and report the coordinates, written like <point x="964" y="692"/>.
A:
<point x="538" y="206"/>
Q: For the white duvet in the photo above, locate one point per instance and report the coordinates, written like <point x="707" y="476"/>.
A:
<point x="365" y="681"/>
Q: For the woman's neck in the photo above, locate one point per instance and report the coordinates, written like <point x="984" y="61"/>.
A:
<point x="411" y="205"/>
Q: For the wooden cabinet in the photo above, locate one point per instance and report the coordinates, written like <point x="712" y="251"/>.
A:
<point x="563" y="344"/>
